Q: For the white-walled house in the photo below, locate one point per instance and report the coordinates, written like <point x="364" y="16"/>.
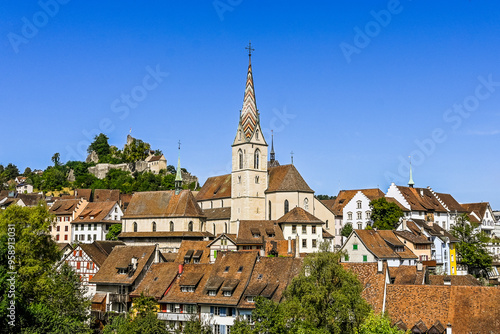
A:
<point x="483" y="213"/>
<point x="94" y="222"/>
<point x="304" y="228"/>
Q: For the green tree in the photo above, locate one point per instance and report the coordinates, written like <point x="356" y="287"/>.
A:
<point x="136" y="150"/>
<point x="100" y="146"/>
<point x="27" y="172"/>
<point x="471" y="248"/>
<point x="324" y="197"/>
<point x="53" y="179"/>
<point x="241" y="327"/>
<point x="346" y="230"/>
<point x="378" y="324"/>
<point x="385" y="215"/>
<point x="46" y="300"/>
<point x="324" y="297"/>
<point x="11" y="172"/>
<point x="114" y="231"/>
<point x="56" y="159"/>
<point x="195" y="326"/>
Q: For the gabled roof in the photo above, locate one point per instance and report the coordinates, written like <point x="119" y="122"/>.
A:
<point x="373" y="282"/>
<point x="478" y="208"/>
<point x="215" y="187"/>
<point x="416" y="239"/>
<point x="64" y="206"/>
<point x="299" y="215"/>
<point x="101" y="195"/>
<point x="390" y="237"/>
<point x="98" y="252"/>
<point x="421" y="199"/>
<point x="196" y="248"/>
<point x="378" y="243"/>
<point x="175" y="295"/>
<point x="286" y="178"/>
<point x="157" y="280"/>
<point x="217" y="213"/>
<point x="404" y="275"/>
<point x="152" y="158"/>
<point x="450" y="203"/>
<point x="84" y="193"/>
<point x="30" y="199"/>
<point x="249" y="229"/>
<point x="163" y="204"/>
<point x="345" y="196"/>
<point x="270" y="277"/>
<point x="433" y="230"/>
<point x="96" y="212"/>
<point x="121" y="257"/>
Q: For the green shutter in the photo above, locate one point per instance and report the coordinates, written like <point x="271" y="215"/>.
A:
<point x="355" y="247"/>
<point x="365" y="258"/>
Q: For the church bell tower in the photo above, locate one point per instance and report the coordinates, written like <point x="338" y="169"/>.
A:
<point x="249" y="160"/>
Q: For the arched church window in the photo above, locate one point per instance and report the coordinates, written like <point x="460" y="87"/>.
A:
<point x="240" y="159"/>
<point x="269" y="210"/>
<point x="256" y="179"/>
<point x="256" y="159"/>
<point x="225" y="227"/>
<point x="135" y="227"/>
<point x="171" y="226"/>
<point x="306" y="204"/>
<point x="190" y="227"/>
<point x="286" y="206"/>
<point x="153" y="226"/>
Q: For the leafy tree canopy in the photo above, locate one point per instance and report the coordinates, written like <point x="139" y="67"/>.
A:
<point x="346" y="230"/>
<point x="114" y="231"/>
<point x="100" y="145"/>
<point x="378" y="324"/>
<point x="471" y="247"/>
<point x="323" y="197"/>
<point x="385" y="215"/>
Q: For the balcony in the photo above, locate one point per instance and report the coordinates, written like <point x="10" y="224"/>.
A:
<point x="170" y="316"/>
<point x="118" y="298"/>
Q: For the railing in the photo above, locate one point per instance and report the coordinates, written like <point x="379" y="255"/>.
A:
<point x="118" y="298"/>
<point x="170" y="316"/>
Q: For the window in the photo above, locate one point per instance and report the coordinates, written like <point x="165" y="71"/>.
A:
<point x="354" y="247"/>
<point x="256" y="159"/>
<point x="313" y="229"/>
<point x="218" y="310"/>
<point x="66" y="228"/>
<point x="306" y="204"/>
<point x="250" y="299"/>
<point x="58" y="228"/>
<point x="358" y="203"/>
<point x="226" y="269"/>
<point x="269" y="210"/>
<point x="95" y="227"/>
<point x="359" y="215"/>
<point x="212" y="292"/>
<point x="304" y="243"/>
<point x="240" y="159"/>
<point x="294" y="228"/>
<point x="65" y="237"/>
<point x="349" y="216"/>
<point x="57" y="236"/>
<point x="135" y="227"/>
<point x="187" y="288"/>
<point x="365" y="258"/>
<point x="256" y="179"/>
<point x="327" y="224"/>
<point x="89" y="237"/>
<point x="240" y="269"/>
<point x="78" y="265"/>
<point x="76" y="228"/>
<point x="190" y="309"/>
<point x="190" y="227"/>
<point x="360" y="226"/>
<point x="153" y="226"/>
<point x="239" y="179"/>
<point x="314" y="243"/>
<point x="171" y="226"/>
<point x="286" y="206"/>
<point x="225" y="227"/>
<point x="95" y="237"/>
<point x="304" y="229"/>
<point x="451" y="257"/>
<point x="367" y="214"/>
<point x="227" y="293"/>
<point x="89" y="227"/>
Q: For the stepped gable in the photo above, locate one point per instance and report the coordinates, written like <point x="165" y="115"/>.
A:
<point x="121" y="257"/>
<point x="299" y="215"/>
<point x="216" y="187"/>
<point x="163" y="204"/>
<point x="103" y="195"/>
<point x="421" y="199"/>
<point x="157" y="280"/>
<point x="451" y="203"/>
<point x="270" y="277"/>
<point x="286" y="178"/>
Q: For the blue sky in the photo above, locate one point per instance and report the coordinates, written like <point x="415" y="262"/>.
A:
<point x="352" y="89"/>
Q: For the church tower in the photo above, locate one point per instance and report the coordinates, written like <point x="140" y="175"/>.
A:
<point x="249" y="164"/>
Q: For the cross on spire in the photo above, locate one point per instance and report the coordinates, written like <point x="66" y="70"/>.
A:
<point x="250" y="49"/>
<point x="179" y="144"/>
<point x="291" y="153"/>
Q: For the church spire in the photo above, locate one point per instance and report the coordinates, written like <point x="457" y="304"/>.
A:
<point x="272" y="157"/>
<point x="410" y="182"/>
<point x="178" y="176"/>
<point x="249" y="117"/>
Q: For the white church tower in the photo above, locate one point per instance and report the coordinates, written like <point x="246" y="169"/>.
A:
<point x="249" y="164"/>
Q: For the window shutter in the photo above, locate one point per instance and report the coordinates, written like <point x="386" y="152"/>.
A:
<point x="222" y="311"/>
<point x="211" y="310"/>
<point x="234" y="312"/>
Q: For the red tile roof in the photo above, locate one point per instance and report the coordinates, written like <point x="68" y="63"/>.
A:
<point x="163" y="204"/>
<point x="215" y="187"/>
<point x="286" y="178"/>
<point x="101" y="195"/>
<point x="253" y="232"/>
<point x="157" y="280"/>
<point x="96" y="212"/>
<point x="299" y="215"/>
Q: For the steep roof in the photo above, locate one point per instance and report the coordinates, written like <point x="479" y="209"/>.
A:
<point x="450" y="202"/>
<point x="345" y="196"/>
<point x="191" y="272"/>
<point x="194" y="249"/>
<point x="433" y="229"/>
<point x="478" y="208"/>
<point x="97" y="252"/>
<point x="416" y="239"/>
<point x="286" y="178"/>
<point x="101" y="195"/>
<point x="270" y="277"/>
<point x="373" y="282"/>
<point x="299" y="215"/>
<point x="390" y="237"/>
<point x="96" y="212"/>
<point x="421" y="199"/>
<point x="215" y="187"/>
<point x="30" y="199"/>
<point x="217" y="213"/>
<point x="121" y="257"/>
<point x="83" y="193"/>
<point x="374" y="242"/>
<point x="64" y="206"/>
<point x="157" y="280"/>
<point x="407" y="275"/>
<point x="255" y="231"/>
<point x="163" y="204"/>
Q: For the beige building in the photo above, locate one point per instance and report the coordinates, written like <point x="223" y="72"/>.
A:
<point x="65" y="211"/>
<point x="156" y="163"/>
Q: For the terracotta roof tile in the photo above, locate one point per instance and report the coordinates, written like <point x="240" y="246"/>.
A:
<point x="64" y="206"/>
<point x="421" y="199"/>
<point x="217" y="213"/>
<point x="215" y="187"/>
<point x="299" y="215"/>
<point x="188" y="245"/>
<point x="84" y="193"/>
<point x="455" y="280"/>
<point x="96" y="212"/>
<point x="163" y="204"/>
<point x="478" y="208"/>
<point x="101" y="195"/>
<point x="344" y="196"/>
<point x="372" y="281"/>
<point x="450" y="202"/>
<point x="260" y="228"/>
<point x="157" y="280"/>
<point x="96" y="253"/>
<point x="286" y="178"/>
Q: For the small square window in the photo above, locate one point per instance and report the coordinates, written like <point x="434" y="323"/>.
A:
<point x="304" y="243"/>
<point x="354" y="247"/>
<point x="365" y="258"/>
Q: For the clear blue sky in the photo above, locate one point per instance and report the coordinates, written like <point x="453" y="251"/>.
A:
<point x="352" y="88"/>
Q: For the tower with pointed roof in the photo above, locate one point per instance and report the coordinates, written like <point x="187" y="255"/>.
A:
<point x="178" y="175"/>
<point x="249" y="160"/>
<point x="411" y="183"/>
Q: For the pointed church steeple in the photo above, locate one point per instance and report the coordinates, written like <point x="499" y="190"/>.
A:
<point x="410" y="182"/>
<point x="249" y="117"/>
<point x="178" y="176"/>
<point x="272" y="157"/>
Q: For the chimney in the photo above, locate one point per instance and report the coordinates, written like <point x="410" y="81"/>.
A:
<point x="419" y="266"/>
<point x="289" y="245"/>
<point x="422" y="192"/>
<point x="157" y="254"/>
<point x="447" y="280"/>
<point x="403" y="227"/>
<point x="380" y="266"/>
<point x="448" y="329"/>
<point x="133" y="261"/>
<point x="181" y="268"/>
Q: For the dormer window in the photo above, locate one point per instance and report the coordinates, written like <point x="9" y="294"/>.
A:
<point x="122" y="270"/>
<point x="187" y="288"/>
<point x="226" y="269"/>
<point x="250" y="299"/>
<point x="212" y="293"/>
<point x="91" y="217"/>
<point x="240" y="269"/>
<point x="227" y="293"/>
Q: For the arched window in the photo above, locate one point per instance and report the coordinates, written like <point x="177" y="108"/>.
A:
<point x="256" y="156"/>
<point x="225" y="227"/>
<point x="153" y="227"/>
<point x="213" y="227"/>
<point x="190" y="227"/>
<point x="286" y="206"/>
<point x="171" y="226"/>
<point x="240" y="159"/>
<point x="256" y="179"/>
<point x="269" y="210"/>
<point x="135" y="227"/>
<point x="306" y="204"/>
